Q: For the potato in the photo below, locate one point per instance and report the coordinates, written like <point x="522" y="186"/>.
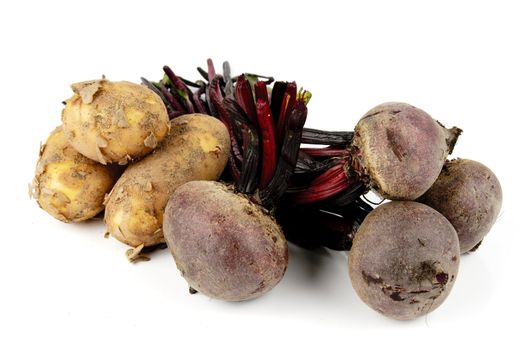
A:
<point x="404" y="259"/>
<point x="197" y="148"/>
<point x="114" y="122"/>
<point x="469" y="195"/>
<point x="68" y="185"/>
<point x="225" y="246"/>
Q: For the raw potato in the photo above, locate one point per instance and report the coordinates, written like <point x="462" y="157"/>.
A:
<point x="197" y="148"/>
<point x="68" y="185"/>
<point x="404" y="259"/>
<point x="401" y="149"/>
<point x="469" y="195"/>
<point x="114" y="122"/>
<point x="225" y="246"/>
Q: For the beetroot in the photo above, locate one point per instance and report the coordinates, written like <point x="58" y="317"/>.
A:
<point x="234" y="254"/>
<point x="404" y="259"/>
<point x="469" y="195"/>
<point x="396" y="149"/>
<point x="401" y="149"/>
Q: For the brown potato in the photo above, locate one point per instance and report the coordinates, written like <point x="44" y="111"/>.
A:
<point x="68" y="185"/>
<point x="404" y="259"/>
<point x="225" y="246"/>
<point x="197" y="148"/>
<point x="114" y="122"/>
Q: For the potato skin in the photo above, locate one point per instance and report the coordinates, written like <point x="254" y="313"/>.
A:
<point x="68" y="185"/>
<point x="197" y="148"/>
<point x="225" y="246"/>
<point x="401" y="149"/>
<point x="114" y="122"/>
<point x="469" y="195"/>
<point x="404" y="259"/>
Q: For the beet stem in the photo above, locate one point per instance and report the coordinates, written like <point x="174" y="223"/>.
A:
<point x="180" y="88"/>
<point x="307" y="165"/>
<point x="326" y="152"/>
<point x="313" y="227"/>
<point x="248" y="179"/>
<point x="203" y="73"/>
<point x="261" y="93"/>
<point x="197" y="103"/>
<point x="288" y="156"/>
<point x="287" y="105"/>
<point x="175" y="105"/>
<point x="328" y="184"/>
<point x="278" y="91"/>
<point x="226" y="71"/>
<point x="244" y="97"/>
<point x="331" y="138"/>
<point x="267" y="136"/>
<point x="156" y="90"/>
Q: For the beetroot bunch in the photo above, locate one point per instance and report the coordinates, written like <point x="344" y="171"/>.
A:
<point x="228" y="238"/>
<point x="404" y="255"/>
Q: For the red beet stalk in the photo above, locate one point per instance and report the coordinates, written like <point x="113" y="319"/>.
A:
<point x="326" y="152"/>
<point x="261" y="93"/>
<point x="182" y="90"/>
<point x="331" y="182"/>
<point x="267" y="134"/>
<point x="287" y="105"/>
<point x="244" y="97"/>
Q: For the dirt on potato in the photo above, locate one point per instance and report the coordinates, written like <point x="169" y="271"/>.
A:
<point x="197" y="148"/>
<point x="68" y="185"/>
<point x="114" y="122"/>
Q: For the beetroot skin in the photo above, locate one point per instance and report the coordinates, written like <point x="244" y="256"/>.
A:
<point x="404" y="259"/>
<point x="401" y="149"/>
<point x="225" y="246"/>
<point x="469" y="195"/>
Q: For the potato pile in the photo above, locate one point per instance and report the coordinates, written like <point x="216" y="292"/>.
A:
<point x="222" y="172"/>
<point x="117" y="150"/>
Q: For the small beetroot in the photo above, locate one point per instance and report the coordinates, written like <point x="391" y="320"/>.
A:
<point x="469" y="195"/>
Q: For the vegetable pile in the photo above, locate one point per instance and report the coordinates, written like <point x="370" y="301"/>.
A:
<point x="223" y="172"/>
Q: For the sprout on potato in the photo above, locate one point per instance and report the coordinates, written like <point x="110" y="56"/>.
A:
<point x="114" y="122"/>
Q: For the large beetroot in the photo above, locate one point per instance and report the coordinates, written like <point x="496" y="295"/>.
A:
<point x="225" y="246"/>
<point x="469" y="195"/>
<point x="404" y="259"/>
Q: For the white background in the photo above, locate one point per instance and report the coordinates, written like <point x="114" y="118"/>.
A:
<point x="66" y="287"/>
